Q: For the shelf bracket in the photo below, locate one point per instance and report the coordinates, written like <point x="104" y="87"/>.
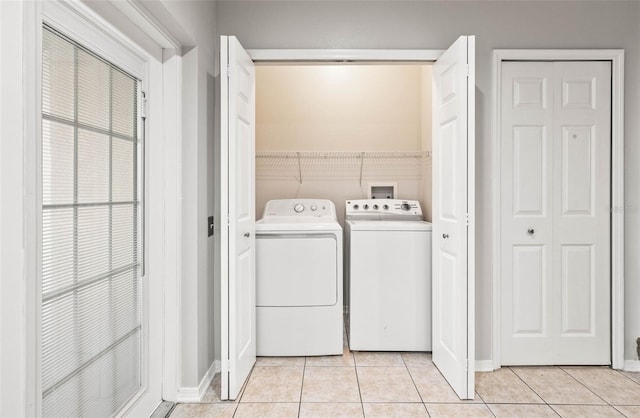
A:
<point x="361" y="166"/>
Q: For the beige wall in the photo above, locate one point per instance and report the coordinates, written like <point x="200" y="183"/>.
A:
<point x="338" y="108"/>
<point x="343" y="107"/>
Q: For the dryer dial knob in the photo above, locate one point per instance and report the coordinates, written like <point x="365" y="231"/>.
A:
<point x="298" y="208"/>
<point x="365" y="206"/>
<point x="375" y="207"/>
<point x="355" y="207"/>
<point x="405" y="206"/>
<point x="385" y="207"/>
<point x="314" y="208"/>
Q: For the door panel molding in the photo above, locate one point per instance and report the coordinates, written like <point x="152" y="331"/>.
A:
<point x="616" y="57"/>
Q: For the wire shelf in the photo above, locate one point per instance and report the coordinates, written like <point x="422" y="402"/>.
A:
<point x="313" y="165"/>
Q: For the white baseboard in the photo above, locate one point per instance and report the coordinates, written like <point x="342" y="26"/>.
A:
<point x="632" y="365"/>
<point x="484" y="366"/>
<point x="195" y="394"/>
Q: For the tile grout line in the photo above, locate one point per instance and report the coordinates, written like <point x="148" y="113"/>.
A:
<point x="527" y="385"/>
<point x="304" y="371"/>
<point x="355" y="367"/>
<point x="585" y="386"/>
<point x="621" y="372"/>
<point x="414" y="385"/>
<point x="483" y="401"/>
<point x="623" y="414"/>
<point x="533" y="390"/>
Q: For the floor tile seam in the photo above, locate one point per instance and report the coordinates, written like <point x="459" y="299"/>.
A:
<point x="622" y="413"/>
<point x="262" y="366"/>
<point x="414" y="384"/>
<point x="584" y="385"/>
<point x="542" y="401"/>
<point x="383" y="365"/>
<point x="458" y="403"/>
<point x="235" y="410"/>
<point x="244" y="386"/>
<point x="529" y="386"/>
<point x="588" y="405"/>
<point x="358" y="383"/>
<point x="621" y="372"/>
<point x="304" y="369"/>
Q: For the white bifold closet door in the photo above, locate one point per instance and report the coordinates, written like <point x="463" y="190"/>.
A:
<point x="91" y="279"/>
<point x="453" y="278"/>
<point x="555" y="232"/>
<point x="238" y="266"/>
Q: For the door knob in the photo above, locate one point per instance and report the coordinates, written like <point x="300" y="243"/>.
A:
<point x="445" y="236"/>
<point x="531" y="231"/>
<point x="247" y="235"/>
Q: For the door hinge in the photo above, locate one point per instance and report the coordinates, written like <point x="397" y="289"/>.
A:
<point x="468" y="70"/>
<point x="143" y="110"/>
<point x="467" y="219"/>
<point x="228" y="70"/>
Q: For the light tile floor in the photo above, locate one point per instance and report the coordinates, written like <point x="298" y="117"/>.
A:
<point x="409" y="385"/>
<point x="404" y="385"/>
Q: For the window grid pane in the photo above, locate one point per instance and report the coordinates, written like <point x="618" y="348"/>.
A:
<point x="91" y="316"/>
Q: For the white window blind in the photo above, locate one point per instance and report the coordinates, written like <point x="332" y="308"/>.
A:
<point x="91" y="290"/>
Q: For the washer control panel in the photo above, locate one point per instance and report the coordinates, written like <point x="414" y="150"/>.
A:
<point x="299" y="207"/>
<point x="383" y="209"/>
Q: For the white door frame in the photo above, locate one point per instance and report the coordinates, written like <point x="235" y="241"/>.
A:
<point x="616" y="56"/>
<point x="373" y="55"/>
<point x="157" y="85"/>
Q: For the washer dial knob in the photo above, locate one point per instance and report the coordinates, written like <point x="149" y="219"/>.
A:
<point x="365" y="206"/>
<point x="405" y="207"/>
<point x="356" y="207"/>
<point x="298" y="208"/>
<point x="375" y="207"/>
<point x="314" y="208"/>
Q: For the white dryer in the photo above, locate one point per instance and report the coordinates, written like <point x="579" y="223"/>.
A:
<point x="299" y="279"/>
<point x="388" y="275"/>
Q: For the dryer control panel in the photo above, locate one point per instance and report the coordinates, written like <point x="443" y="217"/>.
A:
<point x="383" y="209"/>
<point x="300" y="208"/>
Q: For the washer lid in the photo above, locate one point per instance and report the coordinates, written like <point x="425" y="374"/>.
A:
<point x="390" y="225"/>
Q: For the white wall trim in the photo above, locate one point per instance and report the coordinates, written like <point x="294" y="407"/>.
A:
<point x="147" y="23"/>
<point x="196" y="394"/>
<point x="344" y="54"/>
<point x="632" y="366"/>
<point x="85" y="26"/>
<point x="172" y="233"/>
<point x="616" y="56"/>
<point x="484" y="366"/>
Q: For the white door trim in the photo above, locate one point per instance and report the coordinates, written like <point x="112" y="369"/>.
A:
<point x="162" y="84"/>
<point x="344" y="54"/>
<point x="616" y="56"/>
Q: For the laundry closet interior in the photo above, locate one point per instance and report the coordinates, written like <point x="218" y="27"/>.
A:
<point x="344" y="132"/>
<point x="331" y="130"/>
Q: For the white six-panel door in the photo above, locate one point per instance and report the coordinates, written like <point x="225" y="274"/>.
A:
<point x="555" y="232"/>
<point x="453" y="208"/>
<point x="238" y="296"/>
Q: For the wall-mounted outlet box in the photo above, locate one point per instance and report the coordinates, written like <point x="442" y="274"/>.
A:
<point x="382" y="190"/>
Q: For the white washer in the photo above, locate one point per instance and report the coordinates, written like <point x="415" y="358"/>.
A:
<point x="299" y="279"/>
<point x="388" y="275"/>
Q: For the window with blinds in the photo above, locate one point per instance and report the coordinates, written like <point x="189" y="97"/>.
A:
<point x="91" y="215"/>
